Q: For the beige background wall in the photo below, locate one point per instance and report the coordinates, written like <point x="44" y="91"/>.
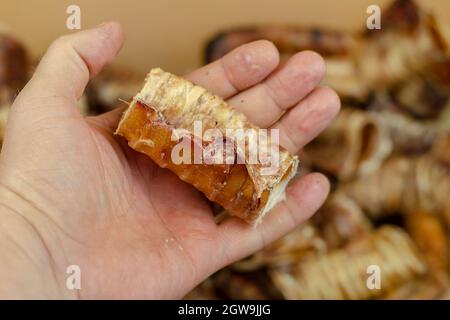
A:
<point x="171" y="33"/>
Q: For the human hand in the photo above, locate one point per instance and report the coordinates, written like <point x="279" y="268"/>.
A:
<point x="72" y="193"/>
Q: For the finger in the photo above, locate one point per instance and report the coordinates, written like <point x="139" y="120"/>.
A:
<point x="304" y="198"/>
<point x="308" y="118"/>
<point x="71" y="60"/>
<point x="264" y="103"/>
<point x="240" y="69"/>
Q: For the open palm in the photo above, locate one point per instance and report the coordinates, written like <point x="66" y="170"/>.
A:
<point x="134" y="229"/>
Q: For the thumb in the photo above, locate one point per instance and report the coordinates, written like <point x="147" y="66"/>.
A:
<point x="66" y="67"/>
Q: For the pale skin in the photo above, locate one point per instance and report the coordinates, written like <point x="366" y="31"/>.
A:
<point x="72" y="193"/>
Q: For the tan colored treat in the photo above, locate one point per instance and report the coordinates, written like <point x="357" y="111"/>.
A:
<point x="441" y="149"/>
<point x="341" y="221"/>
<point x="430" y="234"/>
<point x="111" y="86"/>
<point x="354" y="144"/>
<point x="14" y="68"/>
<point x="4" y="112"/>
<point x="404" y="184"/>
<point x="165" y="114"/>
<point x="342" y="273"/>
<point x="303" y="241"/>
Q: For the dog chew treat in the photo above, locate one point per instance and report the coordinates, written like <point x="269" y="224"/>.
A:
<point x="169" y="106"/>
<point x="354" y="144"/>
<point x="343" y="273"/>
<point x="14" y="68"/>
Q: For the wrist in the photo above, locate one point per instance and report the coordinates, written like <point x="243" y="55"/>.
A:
<point x="30" y="266"/>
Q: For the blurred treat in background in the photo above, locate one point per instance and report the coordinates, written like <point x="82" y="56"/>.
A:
<point x="111" y="88"/>
<point x="387" y="155"/>
<point x="15" y="69"/>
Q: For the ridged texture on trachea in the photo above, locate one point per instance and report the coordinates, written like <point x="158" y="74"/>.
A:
<point x="169" y="105"/>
